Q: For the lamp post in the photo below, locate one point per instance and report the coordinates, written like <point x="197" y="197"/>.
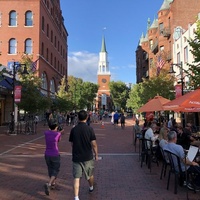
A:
<point x="14" y="84"/>
<point x="180" y="67"/>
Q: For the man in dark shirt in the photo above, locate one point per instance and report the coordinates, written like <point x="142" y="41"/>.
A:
<point x="188" y="132"/>
<point x="83" y="140"/>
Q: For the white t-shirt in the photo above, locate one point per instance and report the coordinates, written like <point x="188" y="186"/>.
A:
<point x="150" y="135"/>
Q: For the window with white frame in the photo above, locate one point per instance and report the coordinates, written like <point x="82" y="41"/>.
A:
<point x="178" y="58"/>
<point x="12" y="18"/>
<point x="28" y="46"/>
<point x="12" y="46"/>
<point x="52" y="87"/>
<point x="29" y="18"/>
<point x="186" y="54"/>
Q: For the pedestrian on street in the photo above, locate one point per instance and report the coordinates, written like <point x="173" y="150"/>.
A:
<point x="83" y="141"/>
<point x="52" y="156"/>
<point x="116" y="118"/>
<point x="122" y="121"/>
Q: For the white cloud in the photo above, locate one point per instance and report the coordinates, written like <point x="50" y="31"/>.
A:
<point x="83" y="65"/>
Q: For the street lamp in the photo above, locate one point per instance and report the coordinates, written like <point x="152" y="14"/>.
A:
<point x="180" y="67"/>
<point x="16" y="67"/>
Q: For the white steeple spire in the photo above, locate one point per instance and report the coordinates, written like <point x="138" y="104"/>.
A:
<point x="103" y="60"/>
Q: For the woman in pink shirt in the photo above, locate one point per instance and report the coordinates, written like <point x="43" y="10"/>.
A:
<point x="52" y="155"/>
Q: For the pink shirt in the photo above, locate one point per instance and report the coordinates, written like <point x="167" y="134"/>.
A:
<point x="52" y="138"/>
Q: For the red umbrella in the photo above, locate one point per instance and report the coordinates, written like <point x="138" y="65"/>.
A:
<point x="189" y="102"/>
<point x="155" y="104"/>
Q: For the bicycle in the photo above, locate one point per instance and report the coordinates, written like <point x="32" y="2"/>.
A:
<point x="30" y="127"/>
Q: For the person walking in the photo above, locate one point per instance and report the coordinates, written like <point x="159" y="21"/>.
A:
<point x="122" y="121"/>
<point x="116" y="119"/>
<point x="52" y="156"/>
<point x="83" y="141"/>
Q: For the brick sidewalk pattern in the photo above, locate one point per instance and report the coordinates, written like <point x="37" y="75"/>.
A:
<point x="118" y="176"/>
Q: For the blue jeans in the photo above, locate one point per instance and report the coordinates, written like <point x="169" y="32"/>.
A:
<point x="53" y="164"/>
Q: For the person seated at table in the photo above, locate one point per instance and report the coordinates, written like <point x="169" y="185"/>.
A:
<point x="137" y="131"/>
<point x="149" y="134"/>
<point x="163" y="136"/>
<point x="193" y="127"/>
<point x="174" y="127"/>
<point x="188" y="132"/>
<point x="182" y="138"/>
<point x="191" y="167"/>
<point x="162" y="130"/>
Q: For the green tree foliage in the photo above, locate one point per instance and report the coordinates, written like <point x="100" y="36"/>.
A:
<point x="81" y="93"/>
<point x="88" y="94"/>
<point x="62" y="101"/>
<point x="32" y="99"/>
<point x="194" y="68"/>
<point x="134" y="100"/>
<point x="141" y="93"/>
<point x="119" y="93"/>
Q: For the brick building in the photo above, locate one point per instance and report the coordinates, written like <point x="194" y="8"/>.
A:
<point x="36" y="28"/>
<point x="157" y="43"/>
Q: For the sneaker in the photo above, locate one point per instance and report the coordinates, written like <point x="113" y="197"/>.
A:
<point x="90" y="191"/>
<point x="47" y="189"/>
<point x="191" y="187"/>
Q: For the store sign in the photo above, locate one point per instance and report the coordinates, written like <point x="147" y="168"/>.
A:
<point x="178" y="90"/>
<point x="18" y="89"/>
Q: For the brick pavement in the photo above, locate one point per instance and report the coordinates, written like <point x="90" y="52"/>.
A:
<point x="118" y="176"/>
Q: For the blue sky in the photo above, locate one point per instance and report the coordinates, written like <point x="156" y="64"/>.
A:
<point x="125" y="20"/>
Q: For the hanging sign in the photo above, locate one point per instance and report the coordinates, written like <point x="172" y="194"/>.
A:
<point x="18" y="89"/>
<point x="178" y="90"/>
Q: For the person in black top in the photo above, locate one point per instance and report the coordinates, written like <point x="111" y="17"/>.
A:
<point x="83" y="140"/>
<point x="122" y="120"/>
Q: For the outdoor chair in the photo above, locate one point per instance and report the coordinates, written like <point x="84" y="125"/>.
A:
<point x="137" y="137"/>
<point x="147" y="153"/>
<point x="175" y="168"/>
<point x="165" y="163"/>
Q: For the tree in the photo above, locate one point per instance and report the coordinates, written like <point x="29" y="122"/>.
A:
<point x="194" y="68"/>
<point x="32" y="99"/>
<point x="158" y="85"/>
<point x="119" y="93"/>
<point x="81" y="93"/>
<point x="88" y="94"/>
<point x="134" y="100"/>
<point x="62" y="101"/>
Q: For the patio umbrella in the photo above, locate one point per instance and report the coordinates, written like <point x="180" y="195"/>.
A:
<point x="155" y="104"/>
<point x="189" y="102"/>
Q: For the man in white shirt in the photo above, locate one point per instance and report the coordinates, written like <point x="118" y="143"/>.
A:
<point x="149" y="134"/>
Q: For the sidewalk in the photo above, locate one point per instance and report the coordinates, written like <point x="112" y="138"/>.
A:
<point x="118" y="176"/>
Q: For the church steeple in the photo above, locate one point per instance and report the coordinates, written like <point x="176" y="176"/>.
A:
<point x="103" y="60"/>
<point x="103" y="45"/>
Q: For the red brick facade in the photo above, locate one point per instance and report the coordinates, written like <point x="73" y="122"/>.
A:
<point x="47" y="33"/>
<point x="159" y="40"/>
